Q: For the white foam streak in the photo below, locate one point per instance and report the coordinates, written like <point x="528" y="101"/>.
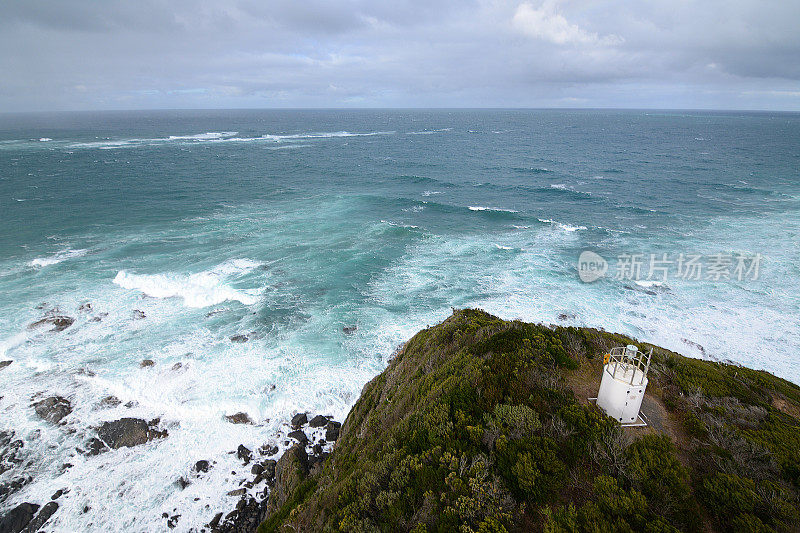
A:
<point x="197" y="290"/>
<point x="56" y="258"/>
<point x="565" y="227"/>
<point x="498" y="209"/>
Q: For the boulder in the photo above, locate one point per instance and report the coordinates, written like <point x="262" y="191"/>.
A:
<point x="215" y="521"/>
<point x="59" y="322"/>
<point x="237" y="492"/>
<point x="109" y="402"/>
<point x="138" y="315"/>
<point x="147" y="363"/>
<point x="349" y="330"/>
<point x="182" y="482"/>
<point x="10" y="454"/>
<point x="299" y="436"/>
<point x="53" y="409"/>
<point x="318" y="421"/>
<point x="4" y="364"/>
<point x="299" y="420"/>
<point x="239" y="338"/>
<point x="17" y="518"/>
<point x="332" y="430"/>
<point x="268" y="449"/>
<point x="243" y="453"/>
<point x="13" y="486"/>
<point x="128" y="432"/>
<point x="44" y="515"/>
<point x="95" y="447"/>
<point x="268" y="469"/>
<point x="202" y="466"/>
<point x="239" y="418"/>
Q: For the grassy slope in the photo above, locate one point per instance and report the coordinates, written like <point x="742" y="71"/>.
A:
<point x="475" y="426"/>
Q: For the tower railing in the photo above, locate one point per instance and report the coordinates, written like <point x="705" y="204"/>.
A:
<point x="628" y="364"/>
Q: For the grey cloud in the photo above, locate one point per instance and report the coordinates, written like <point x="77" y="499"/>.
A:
<point x="248" y="53"/>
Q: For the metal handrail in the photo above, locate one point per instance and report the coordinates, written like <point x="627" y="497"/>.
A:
<point x="629" y="360"/>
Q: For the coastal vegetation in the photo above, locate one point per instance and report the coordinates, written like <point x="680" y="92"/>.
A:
<point x="481" y="425"/>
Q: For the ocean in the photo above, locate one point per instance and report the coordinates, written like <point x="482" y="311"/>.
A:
<point x="327" y="238"/>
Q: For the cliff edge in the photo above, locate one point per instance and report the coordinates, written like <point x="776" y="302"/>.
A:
<point x="483" y="425"/>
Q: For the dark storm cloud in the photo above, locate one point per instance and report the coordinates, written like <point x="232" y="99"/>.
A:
<point x="248" y="53"/>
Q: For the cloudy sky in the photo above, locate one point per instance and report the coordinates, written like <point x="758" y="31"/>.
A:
<point x="132" y="54"/>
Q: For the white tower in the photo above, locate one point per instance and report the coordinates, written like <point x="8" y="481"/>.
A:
<point x="624" y="382"/>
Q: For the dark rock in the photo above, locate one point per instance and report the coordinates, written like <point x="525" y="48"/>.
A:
<point x="182" y="482"/>
<point x="349" y="330"/>
<point x="299" y="436"/>
<point x="128" y="432"/>
<point x="13" y="486"/>
<point x="53" y="409"/>
<point x="299" y="420"/>
<point x="245" y="454"/>
<point x="85" y="372"/>
<point x="57" y="494"/>
<point x="9" y="451"/>
<point x="237" y="492"/>
<point x="268" y="471"/>
<point x="256" y="469"/>
<point x="59" y="322"/>
<point x="215" y="521"/>
<point x="44" y="515"/>
<point x="95" y="447"/>
<point x="318" y="421"/>
<point x="17" y="518"/>
<point x="239" y="338"/>
<point x="147" y="363"/>
<point x="177" y="366"/>
<point x="4" y="364"/>
<point x="173" y="521"/>
<point x="239" y="418"/>
<point x="317" y="449"/>
<point x="110" y="401"/>
<point x="268" y="449"/>
<point x="566" y="316"/>
<point x="202" y="466"/>
<point x="332" y="431"/>
<point x="85" y="307"/>
<point x="138" y="315"/>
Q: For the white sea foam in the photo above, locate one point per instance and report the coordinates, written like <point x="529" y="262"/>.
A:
<point x="561" y="226"/>
<point x="650" y="283"/>
<point x="219" y="137"/>
<point x="428" y="132"/>
<point x="208" y="136"/>
<point x="322" y="135"/>
<point x="201" y="289"/>
<point x="45" y="139"/>
<point x="498" y="209"/>
<point x="56" y="258"/>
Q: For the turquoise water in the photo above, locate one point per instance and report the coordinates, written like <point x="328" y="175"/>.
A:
<point x="289" y="226"/>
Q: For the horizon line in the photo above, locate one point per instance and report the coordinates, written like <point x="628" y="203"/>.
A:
<point x="433" y="108"/>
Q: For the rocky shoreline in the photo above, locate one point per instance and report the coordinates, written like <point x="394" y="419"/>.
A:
<point x="305" y="454"/>
<point x="308" y="444"/>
